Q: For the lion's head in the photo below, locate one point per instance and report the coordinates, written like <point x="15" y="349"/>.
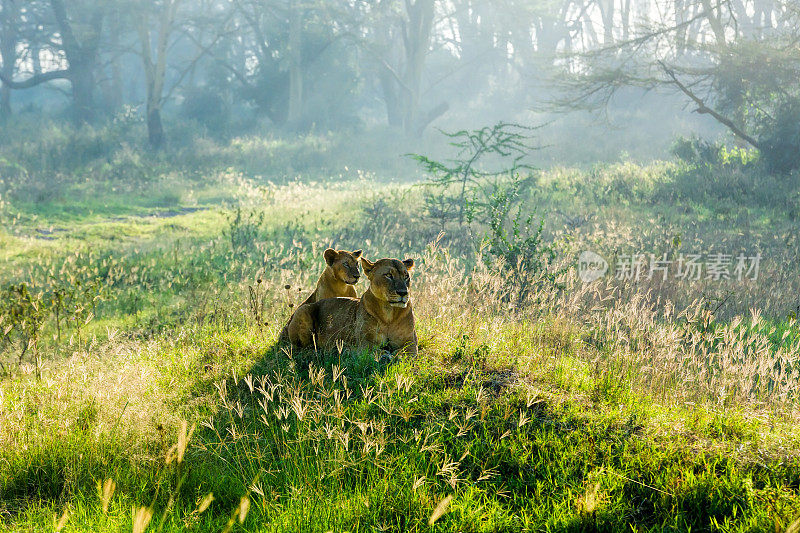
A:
<point x="389" y="279"/>
<point x="344" y="264"/>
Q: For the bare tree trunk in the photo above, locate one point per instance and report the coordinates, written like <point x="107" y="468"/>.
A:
<point x="525" y="55"/>
<point x="8" y="53"/>
<point x="83" y="83"/>
<point x="476" y="36"/>
<point x="155" y="129"/>
<point x="5" y="99"/>
<point x="589" y="35"/>
<point x="626" y="19"/>
<point x="745" y="24"/>
<point x="417" y="41"/>
<point x="715" y="21"/>
<point x="5" y="103"/>
<point x="295" y="107"/>
<point x="155" y="66"/>
<point x="81" y="58"/>
<point x="680" y="33"/>
<point x="113" y="87"/>
<point x="551" y="29"/>
<point x="607" y="14"/>
<point x="389" y="87"/>
<point x="762" y="18"/>
<point x="401" y="72"/>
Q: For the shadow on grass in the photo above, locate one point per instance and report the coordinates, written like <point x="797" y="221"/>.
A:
<point x="347" y="441"/>
<point x="352" y="441"/>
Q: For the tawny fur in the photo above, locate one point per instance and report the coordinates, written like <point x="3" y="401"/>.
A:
<point x="383" y="316"/>
<point x="339" y="276"/>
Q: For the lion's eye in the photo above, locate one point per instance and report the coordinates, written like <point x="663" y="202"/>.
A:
<point x="387" y="276"/>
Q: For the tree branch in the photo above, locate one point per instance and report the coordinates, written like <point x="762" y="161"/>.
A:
<point x="431" y="115"/>
<point x="703" y="109"/>
<point x="35" y="80"/>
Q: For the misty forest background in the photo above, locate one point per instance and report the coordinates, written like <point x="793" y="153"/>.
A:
<point x="171" y="172"/>
<point x="234" y="67"/>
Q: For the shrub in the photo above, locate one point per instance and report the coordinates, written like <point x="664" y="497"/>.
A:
<point x="208" y="108"/>
<point x="780" y="138"/>
<point x="243" y="231"/>
<point x="491" y="202"/>
<point x="22" y="316"/>
<point x="463" y="188"/>
<point x="701" y="153"/>
<point x="713" y="171"/>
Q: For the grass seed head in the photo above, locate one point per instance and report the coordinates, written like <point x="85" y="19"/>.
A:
<point x="141" y="519"/>
<point x="440" y="510"/>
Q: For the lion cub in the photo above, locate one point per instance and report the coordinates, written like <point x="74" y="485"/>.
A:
<point x="382" y="317"/>
<point x="339" y="276"/>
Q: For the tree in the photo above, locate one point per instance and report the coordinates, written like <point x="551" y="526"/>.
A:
<point x="296" y="14"/>
<point x="747" y="83"/>
<point x="282" y="40"/>
<point x="79" y="50"/>
<point x="402" y="67"/>
<point x="156" y="18"/>
<point x="172" y="38"/>
<point x="9" y="39"/>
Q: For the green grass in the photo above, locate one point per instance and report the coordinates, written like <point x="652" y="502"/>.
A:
<point x="576" y="410"/>
<point x="514" y="456"/>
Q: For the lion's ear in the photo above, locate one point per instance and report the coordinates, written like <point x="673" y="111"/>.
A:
<point x="357" y="253"/>
<point x="330" y="256"/>
<point x="367" y="265"/>
<point x="409" y="264"/>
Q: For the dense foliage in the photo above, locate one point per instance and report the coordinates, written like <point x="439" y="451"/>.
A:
<point x="342" y="65"/>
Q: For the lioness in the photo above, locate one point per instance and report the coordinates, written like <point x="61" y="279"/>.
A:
<point x="339" y="276"/>
<point x="382" y="317"/>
